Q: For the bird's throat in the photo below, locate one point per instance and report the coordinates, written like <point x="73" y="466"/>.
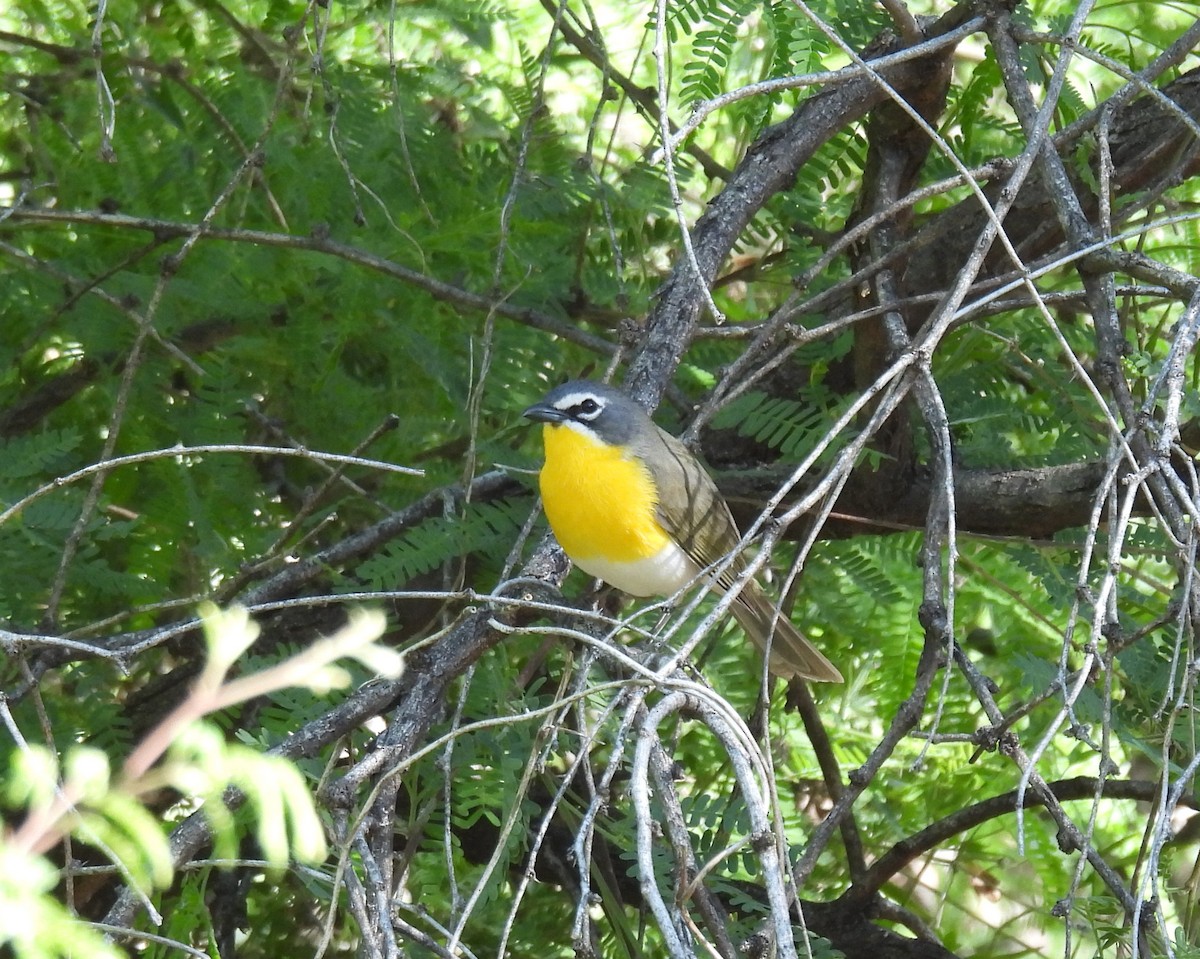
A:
<point x="600" y="500"/>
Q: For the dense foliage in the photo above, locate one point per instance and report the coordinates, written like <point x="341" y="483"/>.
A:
<point x="277" y="280"/>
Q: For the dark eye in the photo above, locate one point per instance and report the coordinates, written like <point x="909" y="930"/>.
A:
<point x="589" y="407"/>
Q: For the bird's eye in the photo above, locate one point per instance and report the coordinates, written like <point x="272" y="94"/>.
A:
<point x="589" y="407"/>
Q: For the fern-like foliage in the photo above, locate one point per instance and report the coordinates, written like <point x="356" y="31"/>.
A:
<point x="484" y="528"/>
<point x="790" y="426"/>
<point x="799" y="44"/>
<point x="712" y="48"/>
<point x="35" y="454"/>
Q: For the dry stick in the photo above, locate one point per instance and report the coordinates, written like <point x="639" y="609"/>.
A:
<point x="443" y="764"/>
<point x="1106" y="768"/>
<point x="938" y="575"/>
<point x="91" y="287"/>
<point x="704" y="109"/>
<point x="602" y="193"/>
<point x="92" y="497"/>
<point x="938" y="578"/>
<point x="933" y="618"/>
<point x="689" y="884"/>
<point x="750" y="764"/>
<point x="337" y="833"/>
<point x="361" y="911"/>
<point x="422" y="938"/>
<point x="1069" y="834"/>
<point x="1172" y="378"/>
<point x="106" y="105"/>
<point x="172" y="71"/>
<point x="801" y="699"/>
<point x="661" y="72"/>
<point x="371" y="769"/>
<point x="768" y="167"/>
<point x="381" y="918"/>
<point x="601" y="794"/>
<point x="398" y="110"/>
<point x="507" y="206"/>
<point x="1110" y="342"/>
<point x="170" y="267"/>
<point x="474" y="411"/>
<point x="333" y="105"/>
<point x="1138" y="82"/>
<point x="16" y="642"/>
<point x="906" y="718"/>
<point x="312" y="499"/>
<point x="642" y="98"/>
<point x="906" y="851"/>
<point x="760" y="822"/>
<point x="513" y="819"/>
<point x="993" y="211"/>
<point x="319" y="243"/>
<point x="905" y="22"/>
<point x="138" y="936"/>
<point x="1160" y="827"/>
<point x="827" y="492"/>
<point x="397" y="749"/>
<point x="553" y="724"/>
<point x="180" y="450"/>
<point x="393" y="758"/>
<point x="194" y="833"/>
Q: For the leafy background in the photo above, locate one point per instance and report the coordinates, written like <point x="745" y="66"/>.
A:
<point x="381" y="230"/>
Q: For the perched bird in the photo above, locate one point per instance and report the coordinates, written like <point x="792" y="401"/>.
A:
<point x="629" y="504"/>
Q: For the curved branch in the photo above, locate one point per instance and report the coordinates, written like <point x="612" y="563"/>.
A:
<point x="929" y="838"/>
<point x="768" y="167"/>
<point x="318" y="243"/>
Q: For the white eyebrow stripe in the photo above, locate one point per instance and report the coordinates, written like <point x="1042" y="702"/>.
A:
<point x="574" y="399"/>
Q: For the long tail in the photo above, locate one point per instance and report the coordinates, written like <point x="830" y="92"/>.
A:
<point x="792" y="655"/>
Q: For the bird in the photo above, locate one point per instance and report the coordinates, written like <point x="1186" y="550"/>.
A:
<point x="630" y="504"/>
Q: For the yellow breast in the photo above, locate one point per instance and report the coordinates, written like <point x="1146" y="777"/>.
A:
<point x="600" y="502"/>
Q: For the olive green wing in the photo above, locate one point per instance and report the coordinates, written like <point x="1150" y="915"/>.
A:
<point x="693" y="511"/>
<point x="690" y="507"/>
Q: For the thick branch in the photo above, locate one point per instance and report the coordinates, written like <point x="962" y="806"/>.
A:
<point x="1081" y="788"/>
<point x="769" y="167"/>
<point x="1031" y="503"/>
<point x="1150" y="147"/>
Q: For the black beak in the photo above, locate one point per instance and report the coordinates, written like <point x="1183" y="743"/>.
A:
<point x="545" y="413"/>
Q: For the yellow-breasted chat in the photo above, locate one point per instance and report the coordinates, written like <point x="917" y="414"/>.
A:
<point x="630" y="505"/>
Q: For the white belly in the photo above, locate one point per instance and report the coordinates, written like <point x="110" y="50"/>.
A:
<point x="660" y="575"/>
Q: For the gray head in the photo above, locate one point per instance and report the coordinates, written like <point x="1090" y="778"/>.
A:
<point x="593" y="408"/>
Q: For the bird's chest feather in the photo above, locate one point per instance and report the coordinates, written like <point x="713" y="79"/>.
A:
<point x="600" y="502"/>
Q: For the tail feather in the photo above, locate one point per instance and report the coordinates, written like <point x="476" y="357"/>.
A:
<point x="792" y="655"/>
